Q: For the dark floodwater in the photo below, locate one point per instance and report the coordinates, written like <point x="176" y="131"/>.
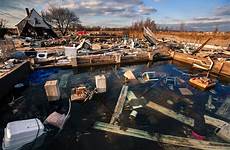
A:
<point x="78" y="132"/>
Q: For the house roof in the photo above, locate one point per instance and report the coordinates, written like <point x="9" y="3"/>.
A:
<point x="34" y="19"/>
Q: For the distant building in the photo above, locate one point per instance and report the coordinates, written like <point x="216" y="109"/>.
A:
<point x="34" y="25"/>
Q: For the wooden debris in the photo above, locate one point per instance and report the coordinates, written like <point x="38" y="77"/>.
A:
<point x="80" y="94"/>
<point x="169" y="139"/>
<point x="185" y="91"/>
<point x="224" y="132"/>
<point x="52" y="90"/>
<point x="186" y="120"/>
<point x="202" y="82"/>
<point x="214" y="122"/>
<point x="96" y="46"/>
<point x="149" y="76"/>
<point x="224" y="110"/>
<point x="171" y="113"/>
<point x="120" y="104"/>
<point x="129" y="75"/>
<point x="130" y="96"/>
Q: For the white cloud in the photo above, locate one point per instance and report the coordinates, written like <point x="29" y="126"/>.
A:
<point x="127" y="9"/>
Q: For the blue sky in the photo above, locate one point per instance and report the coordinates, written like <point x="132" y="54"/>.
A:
<point x="195" y="14"/>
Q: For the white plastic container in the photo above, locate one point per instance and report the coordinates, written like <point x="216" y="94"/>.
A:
<point x="19" y="133"/>
<point x="70" y="52"/>
<point x="100" y="83"/>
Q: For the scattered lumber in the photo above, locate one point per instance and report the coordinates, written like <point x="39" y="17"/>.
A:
<point x="199" y="48"/>
<point x="171" y="113"/>
<point x="120" y="104"/>
<point x="186" y="120"/>
<point x="168" y="139"/>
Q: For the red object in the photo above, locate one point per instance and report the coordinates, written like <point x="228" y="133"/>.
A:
<point x="197" y="136"/>
<point x="81" y="33"/>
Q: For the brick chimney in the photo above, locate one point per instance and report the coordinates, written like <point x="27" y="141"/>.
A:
<point x="27" y="11"/>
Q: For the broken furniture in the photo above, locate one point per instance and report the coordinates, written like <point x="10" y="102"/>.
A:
<point x="149" y="76"/>
<point x="100" y="83"/>
<point x="52" y="90"/>
<point x="80" y="94"/>
<point x="202" y="82"/>
<point x="19" y="133"/>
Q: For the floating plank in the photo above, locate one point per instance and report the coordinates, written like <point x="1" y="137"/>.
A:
<point x="186" y="120"/>
<point x="214" y="122"/>
<point x="120" y="104"/>
<point x="168" y="139"/>
<point x="171" y="113"/>
<point x="224" y="110"/>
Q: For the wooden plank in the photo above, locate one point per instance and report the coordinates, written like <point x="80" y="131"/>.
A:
<point x="168" y="139"/>
<point x="171" y="113"/>
<point x="214" y="122"/>
<point x="186" y="120"/>
<point x="120" y="104"/>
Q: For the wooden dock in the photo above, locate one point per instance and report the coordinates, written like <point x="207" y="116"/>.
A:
<point x="168" y="139"/>
<point x="120" y="104"/>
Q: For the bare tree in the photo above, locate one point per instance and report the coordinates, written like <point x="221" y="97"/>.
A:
<point x="3" y="23"/>
<point x="3" y="29"/>
<point x="62" y="18"/>
<point x="138" y="25"/>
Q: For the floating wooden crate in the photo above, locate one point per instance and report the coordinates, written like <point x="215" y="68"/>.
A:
<point x="100" y="83"/>
<point x="52" y="90"/>
<point x="202" y="82"/>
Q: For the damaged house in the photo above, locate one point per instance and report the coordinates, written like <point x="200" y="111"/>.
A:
<point x="34" y="25"/>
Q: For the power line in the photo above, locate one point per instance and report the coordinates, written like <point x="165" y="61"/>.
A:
<point x="4" y="13"/>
